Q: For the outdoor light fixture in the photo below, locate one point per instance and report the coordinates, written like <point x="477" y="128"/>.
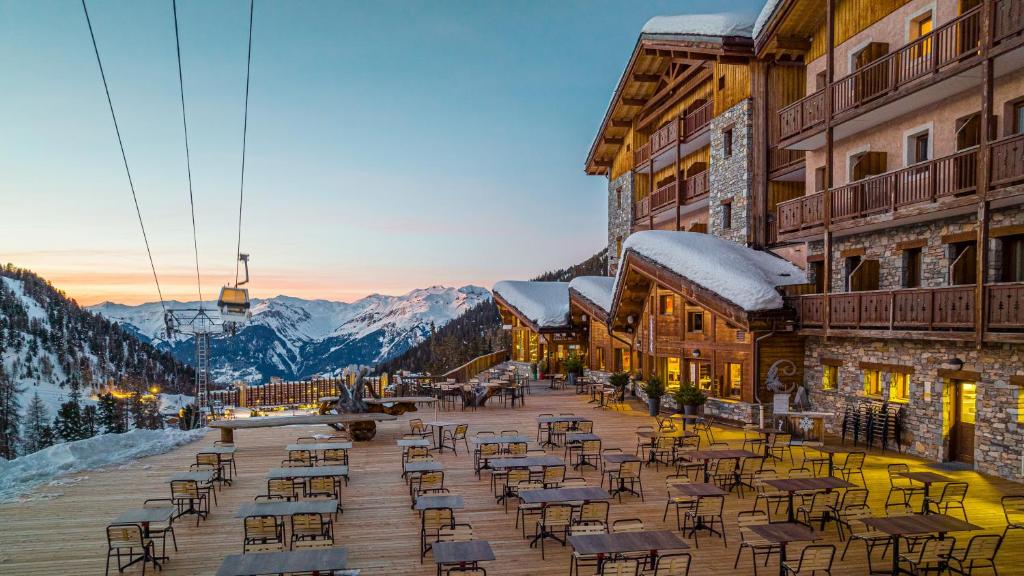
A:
<point x="695" y="353"/>
<point x="956" y="363"/>
<point x="584" y="317"/>
<point x="629" y="319"/>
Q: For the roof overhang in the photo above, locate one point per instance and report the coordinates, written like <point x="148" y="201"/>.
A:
<point x="525" y="320"/>
<point x="587" y="305"/>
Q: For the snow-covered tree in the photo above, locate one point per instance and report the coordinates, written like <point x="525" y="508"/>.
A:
<point x="9" y="415"/>
<point x="37" y="433"/>
<point x="68" y="423"/>
<point x="111" y="414"/>
<point x="90" y="421"/>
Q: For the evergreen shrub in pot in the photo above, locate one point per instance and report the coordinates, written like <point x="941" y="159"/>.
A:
<point x="655" y="389"/>
<point x="689" y="398"/>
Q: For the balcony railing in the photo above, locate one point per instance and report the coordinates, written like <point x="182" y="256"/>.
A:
<point x="943" y="47"/>
<point x="1007" y="161"/>
<point x="782" y="158"/>
<point x="800" y="213"/>
<point x="678" y="130"/>
<point x="946" y="308"/>
<point x="663" y="196"/>
<point x="642" y="208"/>
<point x="694" y="188"/>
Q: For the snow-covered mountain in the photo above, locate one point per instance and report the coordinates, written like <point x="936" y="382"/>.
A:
<point x="295" y="338"/>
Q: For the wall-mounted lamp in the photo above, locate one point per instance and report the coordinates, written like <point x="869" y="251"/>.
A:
<point x="695" y="353"/>
<point x="629" y="319"/>
<point x="955" y="363"/>
<point x="584" y="317"/>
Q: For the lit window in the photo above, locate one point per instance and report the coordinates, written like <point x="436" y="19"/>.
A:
<point x="695" y="322"/>
<point x="734" y="375"/>
<point x="666" y="305"/>
<point x="919" y="28"/>
<point x="1020" y="405"/>
<point x="872" y="383"/>
<point x="899" y="387"/>
<point x="672" y="372"/>
<point x="829" y="377"/>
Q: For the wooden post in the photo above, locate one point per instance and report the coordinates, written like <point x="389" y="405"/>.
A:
<point x="679" y="183"/>
<point x="757" y="229"/>
<point x="984" y="172"/>
<point x="830" y="10"/>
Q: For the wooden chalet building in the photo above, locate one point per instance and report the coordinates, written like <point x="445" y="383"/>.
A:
<point x="590" y="300"/>
<point x="890" y="138"/>
<point x="536" y="314"/>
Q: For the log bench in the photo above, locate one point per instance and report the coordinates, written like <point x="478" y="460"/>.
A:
<point x="367" y="420"/>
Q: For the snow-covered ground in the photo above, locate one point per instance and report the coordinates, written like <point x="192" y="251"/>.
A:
<point x="21" y="475"/>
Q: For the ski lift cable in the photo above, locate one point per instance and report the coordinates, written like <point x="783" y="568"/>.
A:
<point x="188" y="160"/>
<point x="124" y="157"/>
<point x="245" y="129"/>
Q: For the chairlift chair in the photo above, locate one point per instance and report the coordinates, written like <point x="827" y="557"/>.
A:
<point x="233" y="304"/>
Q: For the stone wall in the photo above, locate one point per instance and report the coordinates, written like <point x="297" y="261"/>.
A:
<point x="730" y="176"/>
<point x="999" y="436"/>
<point x="620" y="216"/>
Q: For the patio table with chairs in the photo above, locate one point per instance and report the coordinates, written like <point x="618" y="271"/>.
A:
<point x="322" y="560"/>
<point x="306" y="472"/>
<point x="526" y="462"/>
<point x="283" y="508"/>
<point x="793" y="485"/>
<point x="439" y="426"/>
<point x="413" y="443"/>
<point x="926" y="479"/>
<point x="650" y="541"/>
<point x="917" y="525"/>
<point x="144" y="518"/>
<point x="320" y="446"/>
<point x="581" y="494"/>
<point x="440" y="502"/>
<point x="706" y="456"/>
<point x="463" y="554"/>
<point x="784" y="533"/>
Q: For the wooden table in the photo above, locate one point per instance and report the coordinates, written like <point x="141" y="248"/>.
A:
<point x="321" y="446"/>
<point x="200" y="476"/>
<point x="461" y="553"/>
<point x="916" y="525"/>
<point x="320" y="560"/>
<point x="618" y="458"/>
<point x="650" y="541"/>
<point x="925" y="478"/>
<point x="228" y="427"/>
<point x="500" y="439"/>
<point x="708" y="455"/>
<point x="285" y="508"/>
<point x="439" y="502"/>
<point x="549" y="420"/>
<point x="697" y="489"/>
<point x="439" y="426"/>
<point x="144" y="517"/>
<point x="582" y="494"/>
<point x="423" y="466"/>
<point x="306" y="472"/>
<point x="791" y="485"/>
<point x="526" y="462"/>
<point x="783" y="534"/>
<point x="581" y="436"/>
<point x="411" y="442"/>
<point x="830" y="451"/>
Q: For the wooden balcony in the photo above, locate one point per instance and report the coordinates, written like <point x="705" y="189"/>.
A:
<point x="694" y="188"/>
<point x="677" y="131"/>
<point x="784" y="160"/>
<point x="943" y="50"/>
<point x="948" y="308"/>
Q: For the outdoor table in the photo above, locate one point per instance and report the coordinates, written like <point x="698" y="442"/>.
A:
<point x="549" y="420"/>
<point x="619" y="458"/>
<point x="478" y="440"/>
<point x="526" y="462"/>
<point x="285" y="508"/>
<point x="411" y="442"/>
<point x="830" y="451"/>
<point x="916" y="525"/>
<point x="582" y="494"/>
<point x="652" y="541"/>
<point x="782" y="534"/>
<point x="144" y="517"/>
<point x="321" y="446"/>
<point x="604" y="393"/>
<point x="306" y="472"/>
<point x="461" y="553"/>
<point x="927" y="479"/>
<point x="791" y="485"/>
<point x="217" y="450"/>
<point x="200" y="476"/>
<point x="708" y="455"/>
<point x="687" y="417"/>
<point x="320" y="560"/>
<point x="423" y="466"/>
<point x="581" y="436"/>
<point x="440" y="501"/>
<point x="439" y="426"/>
<point x="697" y="489"/>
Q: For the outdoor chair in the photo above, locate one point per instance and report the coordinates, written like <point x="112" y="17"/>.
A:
<point x="161" y="532"/>
<point x="593" y="512"/>
<point x="853" y="528"/>
<point x="673" y="565"/>
<point x="525" y="510"/>
<point x="952" y="496"/>
<point x="542" y="426"/>
<point x="311" y="528"/>
<point x="485" y="452"/>
<point x="431" y="522"/>
<point x="554" y="519"/>
<point x="449" y="438"/>
<point x="589" y="454"/>
<point x="212" y="461"/>
<point x="585" y="426"/>
<point x="577" y="560"/>
<point x="901" y="486"/>
<point x="628" y="473"/>
<point x="852" y="465"/>
<point x="334" y="457"/>
<point x="428" y="483"/>
<point x="704" y="516"/>
<point x="517" y="448"/>
<point x="766" y="493"/>
<point x="752" y="440"/>
<point x="262" y="534"/>
<point x="748" y="469"/>
<point x="417" y="427"/>
<point x="510" y="432"/>
<point x="553" y="476"/>
<point x="822" y="509"/>
<point x="307" y="457"/>
<point x="190" y="498"/>
<point x="455" y="533"/>
<point x="686" y="466"/>
<point x="282" y="488"/>
<point x="781" y="445"/>
<point x="749" y="540"/>
<point x="663" y="452"/>
<point x="813" y="559"/>
<point x="980" y="553"/>
<point x="623" y="567"/>
<point x="557" y="433"/>
<point x="854" y="498"/>
<point x="323" y="488"/>
<point x="126" y="541"/>
<point x="465" y="571"/>
<point x="574" y="482"/>
<point x="307" y="440"/>
<point x="724" y="473"/>
<point x="680" y="503"/>
<point x="932" y="554"/>
<point x="642" y="443"/>
<point x="627" y="525"/>
<point x="1013" y="510"/>
<point x="515" y="478"/>
<point x="607" y="467"/>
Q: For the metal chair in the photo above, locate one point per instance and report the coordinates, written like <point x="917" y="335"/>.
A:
<point x="673" y="565"/>
<point x="980" y="553"/>
<point x="128" y="539"/>
<point x="952" y="496"/>
<point x="704" y="516"/>
<point x="852" y="465"/>
<point x="554" y="519"/>
<point x="932" y="554"/>
<point x="1013" y="511"/>
<point x="262" y="534"/>
<point x="431" y="522"/>
<point x="311" y="530"/>
<point x="813" y="559"/>
<point x="749" y="540"/>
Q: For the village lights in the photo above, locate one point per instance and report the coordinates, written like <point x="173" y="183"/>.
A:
<point x="153" y="390"/>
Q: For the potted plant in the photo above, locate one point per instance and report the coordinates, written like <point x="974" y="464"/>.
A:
<point x="689" y="398"/>
<point x="619" y="381"/>
<point x="573" y="367"/>
<point x="655" y="389"/>
<point x="542" y="367"/>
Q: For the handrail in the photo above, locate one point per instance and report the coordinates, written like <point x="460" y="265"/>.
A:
<point x="477" y="365"/>
<point x="679" y="129"/>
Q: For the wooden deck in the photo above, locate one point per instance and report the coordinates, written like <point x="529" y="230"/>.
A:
<point x="64" y="535"/>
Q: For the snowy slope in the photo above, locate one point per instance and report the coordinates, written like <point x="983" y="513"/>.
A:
<point x="293" y="338"/>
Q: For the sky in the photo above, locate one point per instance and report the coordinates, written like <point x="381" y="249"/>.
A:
<point x="392" y="145"/>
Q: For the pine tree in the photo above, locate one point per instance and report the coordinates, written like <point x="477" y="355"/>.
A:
<point x="9" y="415"/>
<point x="37" y="425"/>
<point x="152" y="419"/>
<point x="187" y="416"/>
<point x="68" y="423"/>
<point x="90" y="421"/>
<point x="111" y="414"/>
<point x="137" y="410"/>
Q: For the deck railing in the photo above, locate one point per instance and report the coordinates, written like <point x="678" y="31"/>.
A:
<point x="477" y="365"/>
<point x="695" y="187"/>
<point x="663" y="196"/>
<point x="677" y="130"/>
<point x="945" y="308"/>
<point x="782" y="158"/>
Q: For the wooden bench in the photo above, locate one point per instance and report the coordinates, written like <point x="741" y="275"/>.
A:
<point x="228" y="427"/>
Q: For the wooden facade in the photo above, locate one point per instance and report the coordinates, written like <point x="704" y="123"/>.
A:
<point x="533" y="344"/>
<point x="605" y="351"/>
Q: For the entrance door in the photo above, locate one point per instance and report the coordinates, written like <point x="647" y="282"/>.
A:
<point x="961" y="437"/>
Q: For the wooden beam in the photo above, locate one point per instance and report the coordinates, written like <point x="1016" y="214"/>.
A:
<point x="621" y="123"/>
<point x="602" y="162"/>
<point x="682" y="85"/>
<point x="791" y="43"/>
<point x="633" y="101"/>
<point x="646" y="78"/>
<point x="614" y="140"/>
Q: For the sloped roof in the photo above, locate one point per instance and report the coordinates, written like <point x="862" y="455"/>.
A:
<point x="745" y="277"/>
<point x="597" y="289"/>
<point x="719" y="25"/>
<point x="546" y="304"/>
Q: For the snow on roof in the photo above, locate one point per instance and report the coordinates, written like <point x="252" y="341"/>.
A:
<point x="746" y="277"/>
<point x="724" y="24"/>
<point x="544" y="303"/>
<point x="766" y="14"/>
<point x="597" y="289"/>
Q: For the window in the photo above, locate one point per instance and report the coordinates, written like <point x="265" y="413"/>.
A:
<point x="618" y="246"/>
<point x="861" y="274"/>
<point x="733" y="380"/>
<point x="1018" y="117"/>
<point x="819" y="178"/>
<point x="829" y="377"/>
<point x="912" y="268"/>
<point x="694" y="321"/>
<point x="865" y="164"/>
<point x="920" y="27"/>
<point x="1013" y="258"/>
<point x="968" y="131"/>
<point x="721" y="82"/>
<point x="918" y="147"/>
<point x="727" y="142"/>
<point x="962" y="263"/>
<point x="618" y="197"/>
<point x="599" y="358"/>
<point x="817" y="269"/>
<point x="672" y="372"/>
<point x="622" y="363"/>
<point x="666" y="305"/>
<point x="872" y="383"/>
<point x="726" y="215"/>
<point x="819" y="81"/>
<point x="1013" y="112"/>
<point x="899" y="387"/>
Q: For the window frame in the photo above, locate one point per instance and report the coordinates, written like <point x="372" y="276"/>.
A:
<point x="899" y="387"/>
<point x="666" y="305"/>
<point x="727" y="143"/>
<point x="829" y="377"/>
<point x="691" y="324"/>
<point x="726" y="215"/>
<point x="876" y="376"/>
<point x="914" y="280"/>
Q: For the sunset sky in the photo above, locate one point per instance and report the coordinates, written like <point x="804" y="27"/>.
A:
<point x="392" y="145"/>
